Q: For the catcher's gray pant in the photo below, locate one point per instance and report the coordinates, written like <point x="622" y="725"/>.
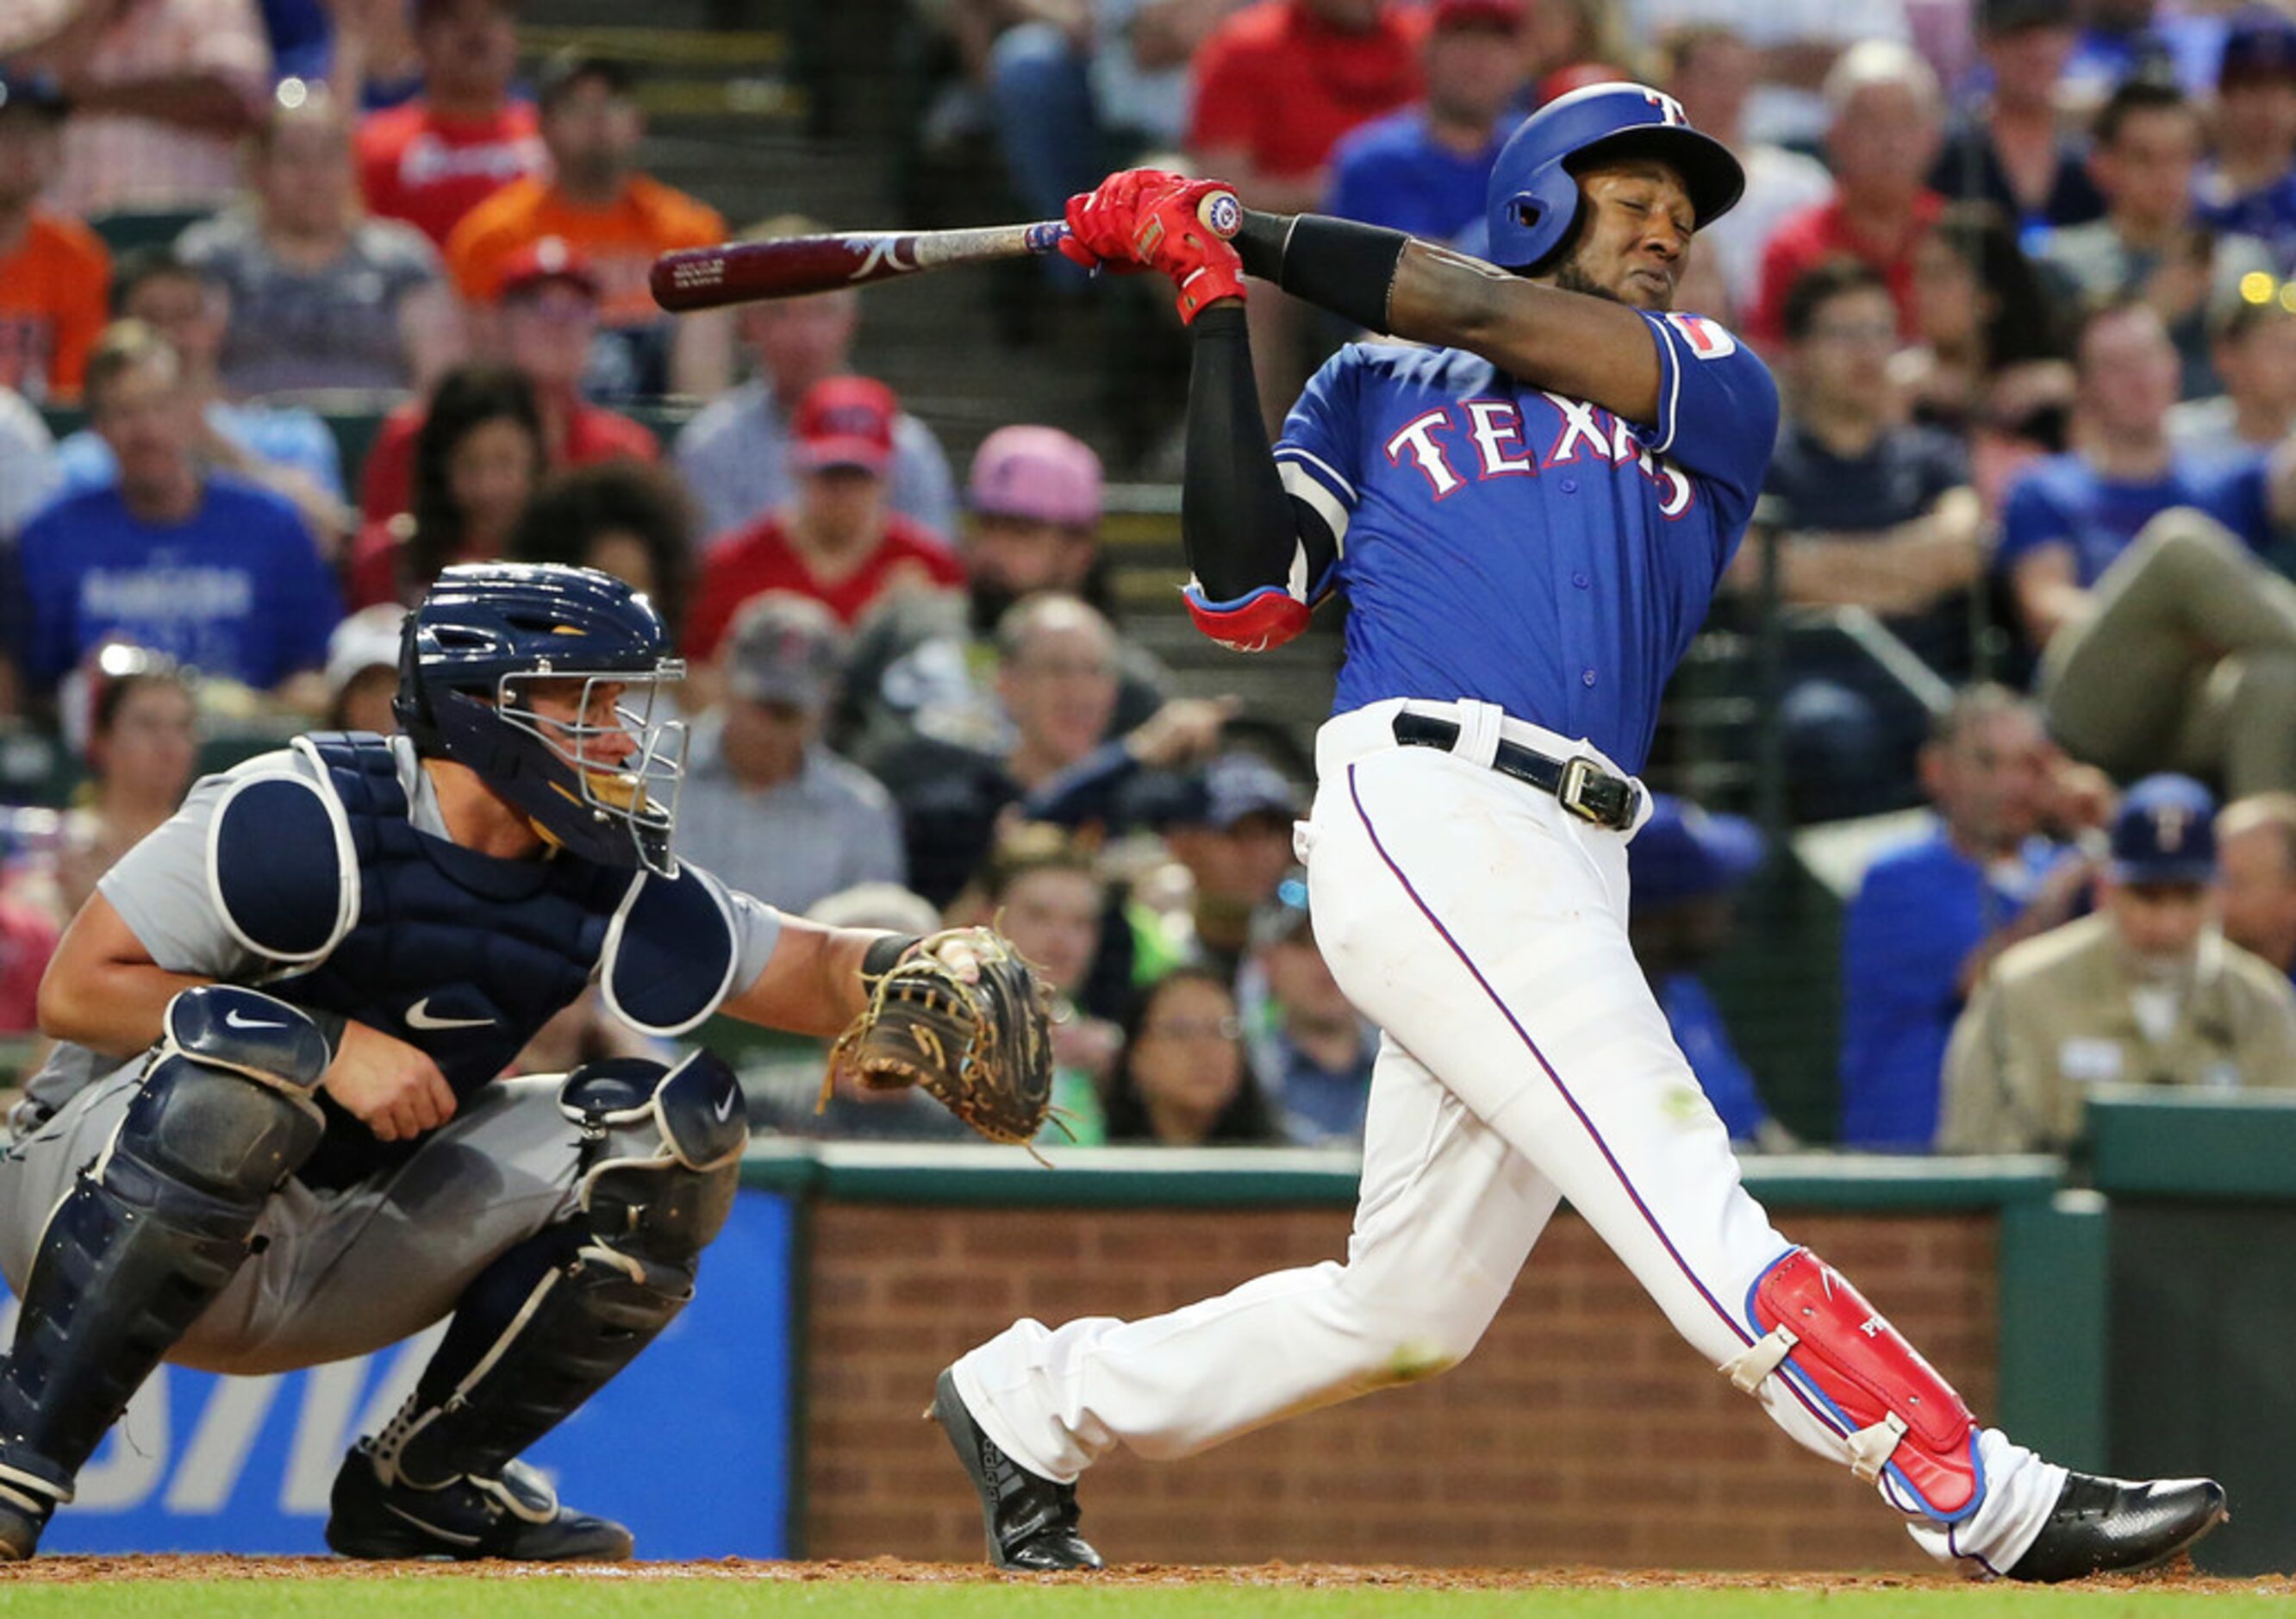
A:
<point x="341" y="1273"/>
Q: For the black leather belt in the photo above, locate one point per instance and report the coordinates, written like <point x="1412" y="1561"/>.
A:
<point x="1578" y="785"/>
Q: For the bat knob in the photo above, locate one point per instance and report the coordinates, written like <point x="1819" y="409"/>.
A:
<point x="1221" y="213"/>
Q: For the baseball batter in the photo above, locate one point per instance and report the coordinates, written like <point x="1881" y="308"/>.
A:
<point x="1528" y="516"/>
<point x="254" y="1179"/>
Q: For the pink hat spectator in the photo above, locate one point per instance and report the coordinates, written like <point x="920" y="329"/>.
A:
<point x="1039" y="473"/>
<point x="846" y="421"/>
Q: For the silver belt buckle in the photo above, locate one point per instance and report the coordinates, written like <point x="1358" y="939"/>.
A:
<point x="1578" y="774"/>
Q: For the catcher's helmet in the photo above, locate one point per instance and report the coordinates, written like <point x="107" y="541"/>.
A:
<point x="1533" y="200"/>
<point x="486" y="629"/>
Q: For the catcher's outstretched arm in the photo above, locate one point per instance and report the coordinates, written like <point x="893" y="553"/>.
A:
<point x="812" y="981"/>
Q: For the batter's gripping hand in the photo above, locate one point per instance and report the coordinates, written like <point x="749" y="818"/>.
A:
<point x="1164" y="222"/>
<point x="963" y="1016"/>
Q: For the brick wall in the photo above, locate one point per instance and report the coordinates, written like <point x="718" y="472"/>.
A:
<point x="1582" y="1431"/>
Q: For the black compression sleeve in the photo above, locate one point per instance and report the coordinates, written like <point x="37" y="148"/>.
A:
<point x="1334" y="264"/>
<point x="1234" y="516"/>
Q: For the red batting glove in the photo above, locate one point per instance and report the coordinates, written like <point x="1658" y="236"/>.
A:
<point x="1171" y="234"/>
<point x="1101" y="221"/>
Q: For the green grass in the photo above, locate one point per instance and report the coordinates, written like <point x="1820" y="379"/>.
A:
<point x="446" y="1597"/>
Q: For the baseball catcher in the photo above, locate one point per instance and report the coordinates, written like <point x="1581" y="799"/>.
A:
<point x="253" y="1180"/>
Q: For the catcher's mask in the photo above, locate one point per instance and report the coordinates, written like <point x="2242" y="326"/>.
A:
<point x="470" y="661"/>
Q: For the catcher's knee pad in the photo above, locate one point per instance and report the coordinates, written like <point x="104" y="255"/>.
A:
<point x="661" y="1152"/>
<point x="157" y="1226"/>
<point x="1900" y="1418"/>
<point x="549" y="1322"/>
<point x="226" y="1107"/>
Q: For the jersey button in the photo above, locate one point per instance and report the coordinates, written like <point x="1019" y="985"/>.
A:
<point x="1580" y="579"/>
<point x="1585" y="676"/>
<point x="1570" y="486"/>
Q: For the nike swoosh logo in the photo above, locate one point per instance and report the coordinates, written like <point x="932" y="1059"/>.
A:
<point x="418" y="1017"/>
<point x="724" y="1108"/>
<point x="235" y="1021"/>
<point x="444" y="1534"/>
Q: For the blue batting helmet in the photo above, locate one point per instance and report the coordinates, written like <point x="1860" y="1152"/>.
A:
<point x="1533" y="200"/>
<point x="466" y="658"/>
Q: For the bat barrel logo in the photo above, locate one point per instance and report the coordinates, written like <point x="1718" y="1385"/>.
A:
<point x="884" y="256"/>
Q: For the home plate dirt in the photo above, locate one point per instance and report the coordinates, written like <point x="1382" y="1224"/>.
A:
<point x="100" y="1570"/>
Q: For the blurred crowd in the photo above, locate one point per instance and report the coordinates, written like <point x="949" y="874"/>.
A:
<point x="2025" y="270"/>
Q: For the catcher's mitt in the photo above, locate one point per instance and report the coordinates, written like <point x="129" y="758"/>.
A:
<point x="983" y="1047"/>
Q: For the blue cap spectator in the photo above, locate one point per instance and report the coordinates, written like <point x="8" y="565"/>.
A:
<point x="1684" y="852"/>
<point x="2165" y="832"/>
<point x="2259" y="44"/>
<point x="1684" y="866"/>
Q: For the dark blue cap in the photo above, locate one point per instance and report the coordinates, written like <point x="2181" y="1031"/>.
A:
<point x="1682" y="853"/>
<point x="2259" y="44"/>
<point x="1239" y="784"/>
<point x="2165" y="832"/>
<point x="32" y="92"/>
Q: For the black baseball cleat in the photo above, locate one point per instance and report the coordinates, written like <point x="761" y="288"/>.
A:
<point x="515" y="1515"/>
<point x="2111" y="1525"/>
<point x="1031" y="1522"/>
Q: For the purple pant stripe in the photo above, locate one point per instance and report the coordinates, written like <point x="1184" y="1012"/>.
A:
<point x="1562" y="1089"/>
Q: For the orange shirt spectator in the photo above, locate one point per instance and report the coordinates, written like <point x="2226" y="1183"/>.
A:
<point x="1282" y="80"/>
<point x="839" y="543"/>
<point x="52" y="287"/>
<point x="591" y="196"/>
<point x="620" y="240"/>
<point x="55" y="273"/>
<point x="547" y="309"/>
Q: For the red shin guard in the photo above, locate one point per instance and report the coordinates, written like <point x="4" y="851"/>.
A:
<point x="1903" y="1418"/>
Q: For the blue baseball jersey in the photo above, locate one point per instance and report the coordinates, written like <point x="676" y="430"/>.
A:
<point x="1501" y="542"/>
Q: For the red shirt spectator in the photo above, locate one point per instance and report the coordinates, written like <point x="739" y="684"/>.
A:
<point x="1283" y="79"/>
<point x="1807" y="239"/>
<point x="547" y="310"/>
<point x="1882" y="141"/>
<point x="432" y="160"/>
<point x="27" y="939"/>
<point x="418" y="165"/>
<point x="584" y="434"/>
<point x="762" y="556"/>
<point x="839" y="544"/>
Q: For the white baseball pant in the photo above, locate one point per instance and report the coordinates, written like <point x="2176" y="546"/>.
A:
<point x="1524" y="1060"/>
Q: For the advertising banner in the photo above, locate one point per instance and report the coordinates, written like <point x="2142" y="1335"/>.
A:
<point x="689" y="1446"/>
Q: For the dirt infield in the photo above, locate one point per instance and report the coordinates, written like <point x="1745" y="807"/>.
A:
<point x="1314" y="1576"/>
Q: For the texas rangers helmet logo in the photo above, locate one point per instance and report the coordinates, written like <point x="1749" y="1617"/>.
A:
<point x="1670" y="110"/>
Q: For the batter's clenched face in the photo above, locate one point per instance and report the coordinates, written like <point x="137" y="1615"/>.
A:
<point x="1634" y="234"/>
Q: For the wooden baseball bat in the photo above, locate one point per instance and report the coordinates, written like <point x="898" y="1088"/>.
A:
<point x="745" y="272"/>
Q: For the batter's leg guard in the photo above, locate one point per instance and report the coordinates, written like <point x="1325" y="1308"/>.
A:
<point x="151" y="1233"/>
<point x="1900" y="1418"/>
<point x="548" y="1324"/>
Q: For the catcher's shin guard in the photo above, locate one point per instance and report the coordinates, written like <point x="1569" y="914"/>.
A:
<point x="151" y="1233"/>
<point x="1901" y="1420"/>
<point x="552" y="1320"/>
